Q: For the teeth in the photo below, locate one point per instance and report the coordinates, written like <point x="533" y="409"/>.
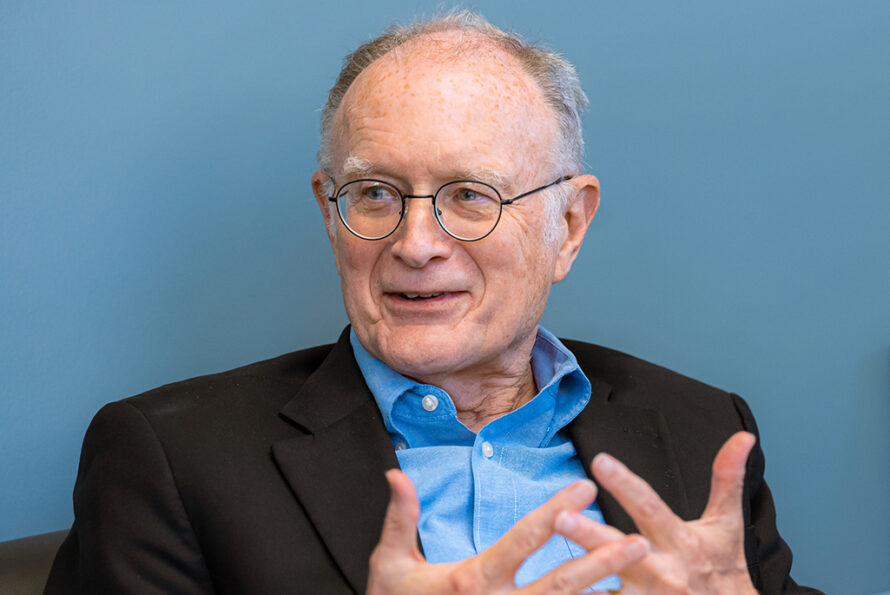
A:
<point x="414" y="296"/>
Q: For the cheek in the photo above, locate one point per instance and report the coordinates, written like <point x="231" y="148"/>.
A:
<point x="516" y="277"/>
<point x="356" y="264"/>
<point x="535" y="259"/>
<point x="537" y="273"/>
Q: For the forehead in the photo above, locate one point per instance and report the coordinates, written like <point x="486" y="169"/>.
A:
<point x="454" y="100"/>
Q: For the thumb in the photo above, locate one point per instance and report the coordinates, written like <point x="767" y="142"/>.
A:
<point x="728" y="476"/>
<point x="399" y="535"/>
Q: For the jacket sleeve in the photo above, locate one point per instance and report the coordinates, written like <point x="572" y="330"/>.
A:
<point x="131" y="533"/>
<point x="769" y="557"/>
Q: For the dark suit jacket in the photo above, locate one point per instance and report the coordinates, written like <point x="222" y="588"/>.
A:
<point x="269" y="478"/>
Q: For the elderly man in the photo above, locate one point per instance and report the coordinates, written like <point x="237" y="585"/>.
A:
<point x="453" y="193"/>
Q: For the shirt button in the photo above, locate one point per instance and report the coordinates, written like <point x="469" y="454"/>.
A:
<point x="487" y="450"/>
<point x="401" y="446"/>
<point x="429" y="402"/>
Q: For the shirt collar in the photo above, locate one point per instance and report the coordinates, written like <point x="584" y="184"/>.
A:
<point x="562" y="385"/>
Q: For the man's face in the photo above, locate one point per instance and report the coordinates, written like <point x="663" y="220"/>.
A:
<point x="419" y="122"/>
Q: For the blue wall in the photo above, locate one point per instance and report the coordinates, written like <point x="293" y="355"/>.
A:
<point x="157" y="222"/>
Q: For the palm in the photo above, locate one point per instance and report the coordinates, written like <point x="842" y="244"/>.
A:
<point x="702" y="556"/>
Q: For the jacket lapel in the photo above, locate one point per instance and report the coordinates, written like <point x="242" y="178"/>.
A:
<point x="637" y="437"/>
<point x="336" y="470"/>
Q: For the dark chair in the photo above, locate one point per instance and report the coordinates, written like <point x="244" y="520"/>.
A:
<point x="25" y="562"/>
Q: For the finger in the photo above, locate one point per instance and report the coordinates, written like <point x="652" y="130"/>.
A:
<point x="577" y="574"/>
<point x="399" y="534"/>
<point x="500" y="562"/>
<point x="653" y="517"/>
<point x="590" y="535"/>
<point x="728" y="476"/>
<point x="585" y="531"/>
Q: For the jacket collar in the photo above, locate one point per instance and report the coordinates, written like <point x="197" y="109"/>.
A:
<point x="336" y="470"/>
<point x="637" y="437"/>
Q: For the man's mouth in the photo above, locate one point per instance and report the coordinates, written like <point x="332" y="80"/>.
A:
<point x="421" y="296"/>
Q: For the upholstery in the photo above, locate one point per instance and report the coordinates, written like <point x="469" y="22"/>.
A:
<point x="25" y="562"/>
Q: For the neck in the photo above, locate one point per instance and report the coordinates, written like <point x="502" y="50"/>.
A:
<point x="489" y="402"/>
<point x="482" y="397"/>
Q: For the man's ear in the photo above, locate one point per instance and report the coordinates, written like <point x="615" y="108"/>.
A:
<point x="321" y="183"/>
<point x="321" y="188"/>
<point x="581" y="205"/>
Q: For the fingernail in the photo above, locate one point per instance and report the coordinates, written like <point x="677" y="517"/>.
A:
<point x="583" y="492"/>
<point x="604" y="463"/>
<point x="638" y="548"/>
<point x="565" y="522"/>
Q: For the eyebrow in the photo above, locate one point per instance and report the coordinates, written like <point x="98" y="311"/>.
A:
<point x="357" y="167"/>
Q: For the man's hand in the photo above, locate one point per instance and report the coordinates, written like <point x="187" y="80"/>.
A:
<point x="397" y="565"/>
<point x="703" y="556"/>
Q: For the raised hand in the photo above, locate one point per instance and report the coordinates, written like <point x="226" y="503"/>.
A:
<point x="702" y="556"/>
<point x="397" y="565"/>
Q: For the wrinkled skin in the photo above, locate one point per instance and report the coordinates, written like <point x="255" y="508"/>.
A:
<point x="419" y="121"/>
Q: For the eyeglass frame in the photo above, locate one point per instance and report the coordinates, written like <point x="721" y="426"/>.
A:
<point x="404" y="209"/>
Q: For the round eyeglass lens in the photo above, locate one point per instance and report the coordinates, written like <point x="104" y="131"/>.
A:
<point x="370" y="208"/>
<point x="468" y="210"/>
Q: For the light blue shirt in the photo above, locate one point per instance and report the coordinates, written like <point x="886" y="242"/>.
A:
<point x="474" y="487"/>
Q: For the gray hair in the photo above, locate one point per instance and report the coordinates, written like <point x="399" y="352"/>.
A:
<point x="555" y="76"/>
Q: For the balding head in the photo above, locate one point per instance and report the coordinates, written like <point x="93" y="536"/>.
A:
<point x="443" y="85"/>
<point x="554" y="76"/>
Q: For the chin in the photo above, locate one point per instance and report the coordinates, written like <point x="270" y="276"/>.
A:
<point x="423" y="351"/>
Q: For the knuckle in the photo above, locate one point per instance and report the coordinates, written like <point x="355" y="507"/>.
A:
<point x="648" y="507"/>
<point x="487" y="573"/>
<point x="688" y="540"/>
<point x="464" y="580"/>
<point x="393" y="523"/>
<point x="377" y="562"/>
<point x="560" y="582"/>
<point x="732" y="480"/>
<point x="528" y="538"/>
<point x="376" y="555"/>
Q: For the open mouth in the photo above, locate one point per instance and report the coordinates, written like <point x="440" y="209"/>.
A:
<point x="421" y="296"/>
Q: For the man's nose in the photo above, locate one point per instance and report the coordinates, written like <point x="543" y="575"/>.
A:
<point x="419" y="238"/>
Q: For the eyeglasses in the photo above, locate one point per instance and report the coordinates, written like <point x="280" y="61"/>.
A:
<point x="467" y="210"/>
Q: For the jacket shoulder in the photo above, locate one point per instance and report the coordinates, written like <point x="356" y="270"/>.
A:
<point x="629" y="375"/>
<point x="265" y="385"/>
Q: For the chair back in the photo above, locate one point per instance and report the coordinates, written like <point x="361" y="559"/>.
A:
<point x="25" y="562"/>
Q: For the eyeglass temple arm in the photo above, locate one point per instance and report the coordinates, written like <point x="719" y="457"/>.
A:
<point x="538" y="189"/>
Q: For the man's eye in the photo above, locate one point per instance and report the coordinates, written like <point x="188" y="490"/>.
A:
<point x="379" y="193"/>
<point x="468" y="195"/>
